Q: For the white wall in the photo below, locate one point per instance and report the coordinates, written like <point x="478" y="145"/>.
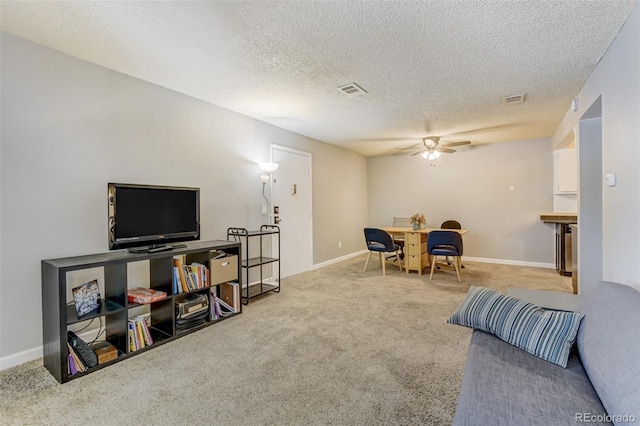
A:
<point x="472" y="187"/>
<point x="69" y="127"/>
<point x="616" y="79"/>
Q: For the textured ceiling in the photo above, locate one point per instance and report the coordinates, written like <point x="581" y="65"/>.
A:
<point x="429" y="67"/>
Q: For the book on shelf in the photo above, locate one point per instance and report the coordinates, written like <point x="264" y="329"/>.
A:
<point x="146" y="333"/>
<point x="72" y="365"/>
<point x="230" y="294"/>
<point x="141" y="340"/>
<point x="134" y="344"/>
<point x="177" y="288"/>
<point x="179" y="264"/>
<point x="130" y="337"/>
<point x="195" y="275"/>
<point x="142" y="296"/>
<point x="214" y="306"/>
<point x="192" y="279"/>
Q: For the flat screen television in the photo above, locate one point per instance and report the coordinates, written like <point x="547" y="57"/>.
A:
<point x="152" y="216"/>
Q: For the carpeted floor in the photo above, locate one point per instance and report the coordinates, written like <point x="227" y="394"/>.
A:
<point x="338" y="346"/>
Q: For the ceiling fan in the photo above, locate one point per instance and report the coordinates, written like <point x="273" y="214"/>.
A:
<point x="432" y="148"/>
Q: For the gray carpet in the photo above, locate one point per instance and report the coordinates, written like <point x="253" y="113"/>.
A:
<point x="338" y="346"/>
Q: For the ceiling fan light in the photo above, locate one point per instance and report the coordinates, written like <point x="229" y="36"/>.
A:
<point x="425" y="155"/>
<point x="430" y="156"/>
<point x="436" y="154"/>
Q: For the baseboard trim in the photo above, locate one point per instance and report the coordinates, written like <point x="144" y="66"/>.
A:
<point x="469" y="258"/>
<point x="338" y="259"/>
<point x="509" y="262"/>
<point x="20" y="358"/>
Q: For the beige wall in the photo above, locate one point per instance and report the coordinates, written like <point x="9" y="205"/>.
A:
<point x="616" y="80"/>
<point x="472" y="187"/>
<point x="69" y="127"/>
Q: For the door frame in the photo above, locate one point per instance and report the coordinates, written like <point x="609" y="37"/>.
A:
<point x="273" y="147"/>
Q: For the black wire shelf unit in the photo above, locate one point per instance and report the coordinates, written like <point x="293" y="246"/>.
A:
<point x="266" y="232"/>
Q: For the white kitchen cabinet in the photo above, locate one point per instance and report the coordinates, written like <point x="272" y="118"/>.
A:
<point x="565" y="171"/>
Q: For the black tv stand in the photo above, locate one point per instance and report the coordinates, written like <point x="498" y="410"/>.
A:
<point x="154" y="248"/>
<point x="60" y="276"/>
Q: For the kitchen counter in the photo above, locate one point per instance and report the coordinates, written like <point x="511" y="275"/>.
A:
<point x="557" y="217"/>
<point x="563" y="239"/>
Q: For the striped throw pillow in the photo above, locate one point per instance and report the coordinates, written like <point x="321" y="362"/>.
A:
<point x="547" y="334"/>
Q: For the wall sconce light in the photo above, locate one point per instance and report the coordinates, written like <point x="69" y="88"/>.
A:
<point x="269" y="167"/>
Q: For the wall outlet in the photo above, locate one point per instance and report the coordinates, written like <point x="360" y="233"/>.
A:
<point x="339" y="244"/>
<point x="265" y="209"/>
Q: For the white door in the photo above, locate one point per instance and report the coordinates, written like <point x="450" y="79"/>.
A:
<point x="292" y="200"/>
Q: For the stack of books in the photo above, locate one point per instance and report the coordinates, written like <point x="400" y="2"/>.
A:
<point x="187" y="278"/>
<point x="138" y="333"/>
<point x="75" y="363"/>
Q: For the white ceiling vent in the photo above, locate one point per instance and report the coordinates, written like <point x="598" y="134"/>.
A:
<point x="513" y="99"/>
<point x="352" y="89"/>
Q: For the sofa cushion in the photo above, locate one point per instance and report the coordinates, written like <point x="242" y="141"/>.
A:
<point x="503" y="385"/>
<point x="609" y="346"/>
<point x="548" y="334"/>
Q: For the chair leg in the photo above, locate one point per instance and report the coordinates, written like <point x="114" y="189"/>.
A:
<point x="433" y="266"/>
<point x="383" y="261"/>
<point x="456" y="262"/>
<point x="399" y="261"/>
<point x="367" y="262"/>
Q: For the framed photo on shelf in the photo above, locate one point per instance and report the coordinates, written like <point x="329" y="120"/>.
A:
<point x="86" y="298"/>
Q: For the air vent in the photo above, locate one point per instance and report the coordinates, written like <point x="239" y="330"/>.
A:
<point x="513" y="99"/>
<point x="352" y="89"/>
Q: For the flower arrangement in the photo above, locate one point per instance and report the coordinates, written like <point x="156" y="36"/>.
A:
<point x="417" y="220"/>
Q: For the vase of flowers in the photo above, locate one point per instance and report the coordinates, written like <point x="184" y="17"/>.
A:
<point x="417" y="221"/>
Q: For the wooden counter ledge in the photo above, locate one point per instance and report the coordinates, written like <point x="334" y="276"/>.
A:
<point x="569" y="218"/>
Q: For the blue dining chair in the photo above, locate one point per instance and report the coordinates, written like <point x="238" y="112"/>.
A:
<point x="451" y="224"/>
<point x="445" y="243"/>
<point x="380" y="241"/>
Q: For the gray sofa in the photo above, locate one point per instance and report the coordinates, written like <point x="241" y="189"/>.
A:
<point x="504" y="385"/>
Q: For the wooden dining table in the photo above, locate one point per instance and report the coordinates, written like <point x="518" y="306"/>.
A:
<point x="416" y="257"/>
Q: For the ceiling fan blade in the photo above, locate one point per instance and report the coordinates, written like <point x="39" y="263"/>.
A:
<point x="409" y="147"/>
<point x="448" y="144"/>
<point x="418" y="153"/>
<point x="446" y="150"/>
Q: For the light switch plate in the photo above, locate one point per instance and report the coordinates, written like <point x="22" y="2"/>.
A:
<point x="610" y="179"/>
